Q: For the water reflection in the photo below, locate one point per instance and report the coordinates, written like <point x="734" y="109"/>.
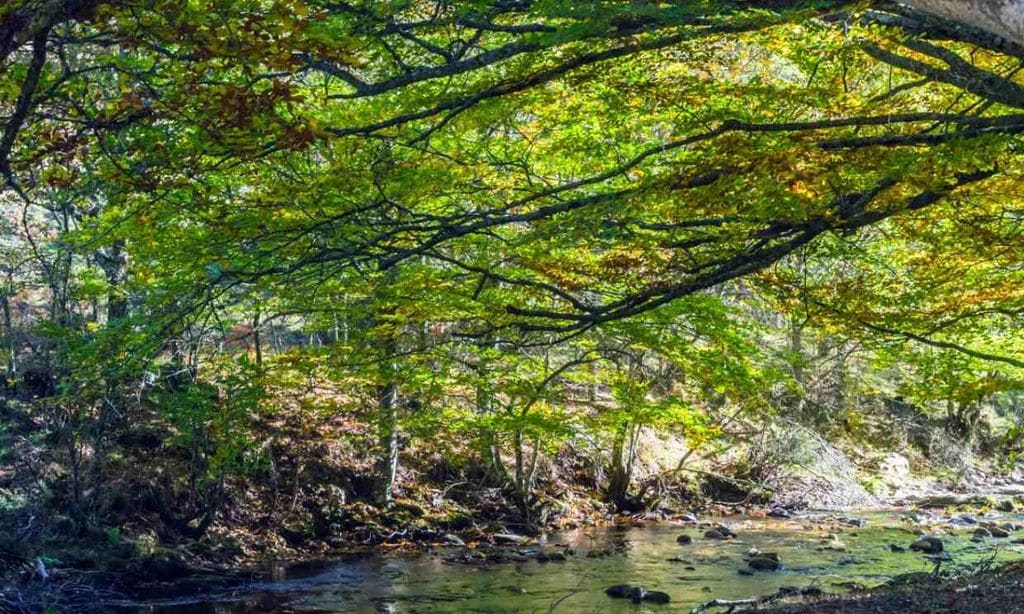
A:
<point x="813" y="552"/>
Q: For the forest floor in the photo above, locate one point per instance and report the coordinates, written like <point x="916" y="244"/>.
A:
<point x="310" y="504"/>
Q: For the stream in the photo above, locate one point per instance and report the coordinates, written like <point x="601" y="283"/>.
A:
<point x="444" y="581"/>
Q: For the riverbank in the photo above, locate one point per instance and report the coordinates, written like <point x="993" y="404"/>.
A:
<point x="114" y="568"/>
<point x="692" y="562"/>
<point x="996" y="590"/>
<point x="151" y="532"/>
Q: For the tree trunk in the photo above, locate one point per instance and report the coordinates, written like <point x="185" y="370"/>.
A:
<point x="520" y="478"/>
<point x="387" y="425"/>
<point x="115" y="267"/>
<point x="257" y="339"/>
<point x="491" y="447"/>
<point x="1004" y="18"/>
<point x="796" y="349"/>
<point x="387" y="408"/>
<point x="621" y="471"/>
<point x="10" y="348"/>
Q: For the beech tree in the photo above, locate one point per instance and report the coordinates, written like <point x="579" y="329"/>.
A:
<point x="505" y="176"/>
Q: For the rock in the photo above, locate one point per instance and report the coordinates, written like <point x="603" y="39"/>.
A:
<point x="746" y="572"/>
<point x="999" y="532"/>
<point x="453" y="540"/>
<point x="855" y="522"/>
<point x="619" y="591"/>
<point x="684" y="539"/>
<point x="928" y="545"/>
<point x="778" y="512"/>
<point x="542" y="557"/>
<point x="1007" y="505"/>
<point x="982" y="533"/>
<point x="1019" y="540"/>
<point x="968" y="519"/>
<point x="753" y="552"/>
<point x="896" y="548"/>
<point x="951" y="500"/>
<point x="834" y="545"/>
<point x="727" y="531"/>
<point x="688" y="517"/>
<point x="636" y="594"/>
<point x="715" y="534"/>
<point x="556" y="556"/>
<point x="657" y="597"/>
<point x="895" y="467"/>
<point x="765" y="563"/>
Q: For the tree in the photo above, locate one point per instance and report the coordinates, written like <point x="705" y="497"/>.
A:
<point x="530" y="179"/>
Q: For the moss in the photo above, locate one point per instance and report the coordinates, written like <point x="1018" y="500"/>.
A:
<point x="875" y="485"/>
<point x="408" y="508"/>
<point x="455" y="521"/>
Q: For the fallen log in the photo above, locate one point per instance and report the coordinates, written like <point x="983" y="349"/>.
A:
<point x="782" y="593"/>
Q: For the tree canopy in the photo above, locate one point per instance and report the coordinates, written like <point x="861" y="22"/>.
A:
<point x="465" y="202"/>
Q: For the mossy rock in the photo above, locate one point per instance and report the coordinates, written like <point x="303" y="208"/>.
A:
<point x="407" y="510"/>
<point x="299" y="533"/>
<point x="986" y="501"/>
<point x="455" y="521"/>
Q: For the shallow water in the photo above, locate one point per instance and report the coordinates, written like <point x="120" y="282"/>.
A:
<point x="430" y="583"/>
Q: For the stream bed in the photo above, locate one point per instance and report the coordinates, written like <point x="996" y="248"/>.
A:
<point x="824" y="550"/>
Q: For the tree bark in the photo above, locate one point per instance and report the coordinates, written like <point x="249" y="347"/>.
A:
<point x="387" y="424"/>
<point x="621" y="470"/>
<point x="10" y="348"/>
<point x="387" y="407"/>
<point x="1004" y="18"/>
<point x="114" y="263"/>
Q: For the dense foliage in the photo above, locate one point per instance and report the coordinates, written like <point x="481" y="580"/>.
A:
<point x="488" y="230"/>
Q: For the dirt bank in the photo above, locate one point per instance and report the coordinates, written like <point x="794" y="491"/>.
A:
<point x="998" y="590"/>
